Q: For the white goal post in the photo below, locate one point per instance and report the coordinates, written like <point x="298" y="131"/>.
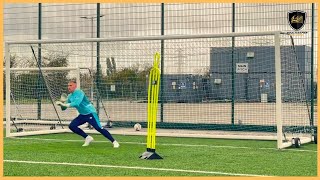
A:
<point x="285" y="87"/>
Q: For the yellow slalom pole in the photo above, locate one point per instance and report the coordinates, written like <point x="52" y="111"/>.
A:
<point x="153" y="91"/>
<point x="153" y="97"/>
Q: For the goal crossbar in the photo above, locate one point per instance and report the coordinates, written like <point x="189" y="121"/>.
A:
<point x="163" y="37"/>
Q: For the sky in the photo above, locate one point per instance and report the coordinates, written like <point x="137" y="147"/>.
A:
<point x="63" y="21"/>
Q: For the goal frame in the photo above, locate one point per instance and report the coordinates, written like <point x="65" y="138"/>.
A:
<point x="276" y="34"/>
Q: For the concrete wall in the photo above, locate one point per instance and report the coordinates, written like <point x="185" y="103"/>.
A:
<point x="260" y="78"/>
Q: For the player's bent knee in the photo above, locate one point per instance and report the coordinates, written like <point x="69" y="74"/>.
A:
<point x="72" y="127"/>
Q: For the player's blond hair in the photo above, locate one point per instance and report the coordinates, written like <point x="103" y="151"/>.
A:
<point x="74" y="80"/>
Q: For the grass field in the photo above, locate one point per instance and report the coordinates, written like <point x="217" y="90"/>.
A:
<point x="63" y="155"/>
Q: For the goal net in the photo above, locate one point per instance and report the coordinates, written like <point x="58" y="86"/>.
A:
<point x="32" y="93"/>
<point x="236" y="85"/>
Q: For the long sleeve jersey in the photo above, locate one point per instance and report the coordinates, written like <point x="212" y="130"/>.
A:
<point x="79" y="100"/>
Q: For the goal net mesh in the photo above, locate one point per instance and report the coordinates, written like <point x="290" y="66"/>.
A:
<point x="209" y="86"/>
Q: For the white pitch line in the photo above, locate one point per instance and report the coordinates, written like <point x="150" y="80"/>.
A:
<point x="183" y="145"/>
<point x="135" y="167"/>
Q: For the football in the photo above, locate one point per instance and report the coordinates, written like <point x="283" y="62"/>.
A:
<point x="137" y="127"/>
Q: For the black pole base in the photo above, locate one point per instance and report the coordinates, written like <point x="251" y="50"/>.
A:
<point x="150" y="155"/>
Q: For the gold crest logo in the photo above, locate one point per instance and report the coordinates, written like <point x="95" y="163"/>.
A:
<point x="297" y="19"/>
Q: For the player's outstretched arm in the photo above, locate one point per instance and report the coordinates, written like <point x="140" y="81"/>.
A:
<point x="63" y="106"/>
<point x="79" y="95"/>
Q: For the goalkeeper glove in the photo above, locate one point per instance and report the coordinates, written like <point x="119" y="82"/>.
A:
<point x="64" y="97"/>
<point x="63" y="106"/>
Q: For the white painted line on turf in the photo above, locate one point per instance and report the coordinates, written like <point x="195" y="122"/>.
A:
<point x="183" y="145"/>
<point x="134" y="167"/>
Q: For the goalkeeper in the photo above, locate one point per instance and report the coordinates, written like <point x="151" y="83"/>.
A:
<point x="87" y="113"/>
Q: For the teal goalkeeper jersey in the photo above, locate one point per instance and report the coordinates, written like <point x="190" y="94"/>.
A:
<point x="79" y="100"/>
